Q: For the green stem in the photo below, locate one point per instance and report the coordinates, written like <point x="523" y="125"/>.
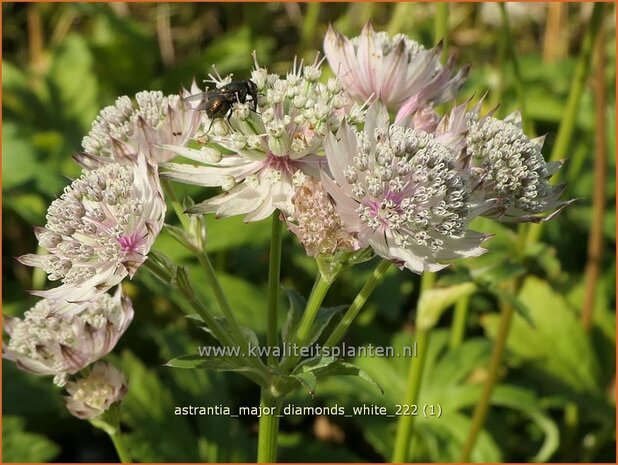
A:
<point x="480" y="411"/>
<point x="405" y="426"/>
<point x="458" y="330"/>
<point x="268" y="428"/>
<point x="313" y="306"/>
<point x="274" y="271"/>
<point x="320" y="288"/>
<point x="571" y="112"/>
<point x="519" y="81"/>
<point x="121" y="449"/>
<point x="358" y="303"/>
<point x="440" y="28"/>
<point x="214" y="283"/>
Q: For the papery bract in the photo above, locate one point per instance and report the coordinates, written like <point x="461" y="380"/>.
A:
<point x="157" y="120"/>
<point x="395" y="70"/>
<point x="100" y="230"/>
<point x="46" y="343"/>
<point x="271" y="147"/>
<point x="92" y="395"/>
<point x="401" y="192"/>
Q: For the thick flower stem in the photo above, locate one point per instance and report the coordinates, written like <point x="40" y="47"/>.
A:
<point x="358" y="303"/>
<point x="121" y="449"/>
<point x="318" y="293"/>
<point x="268" y="428"/>
<point x="480" y="411"/>
<point x="274" y="271"/>
<point x="405" y="427"/>
<point x="320" y="288"/>
<point x="571" y="112"/>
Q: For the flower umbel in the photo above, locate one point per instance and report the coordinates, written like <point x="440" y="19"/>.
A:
<point x="156" y="121"/>
<point x="100" y="230"/>
<point x="91" y="396"/>
<point x="402" y="193"/>
<point x="510" y="167"/>
<point x="269" y="147"/>
<point x="395" y="70"/>
<point x="46" y="343"/>
<point x="316" y="222"/>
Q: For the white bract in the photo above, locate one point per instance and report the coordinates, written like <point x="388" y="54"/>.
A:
<point x="157" y="120"/>
<point x="269" y="148"/>
<point x="394" y="70"/>
<point x="401" y="192"/>
<point x="46" y="343"/>
<point x="95" y="393"/>
<point x="100" y="230"/>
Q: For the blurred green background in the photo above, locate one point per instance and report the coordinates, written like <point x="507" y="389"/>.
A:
<point x="555" y="401"/>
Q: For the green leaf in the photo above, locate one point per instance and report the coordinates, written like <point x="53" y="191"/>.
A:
<point x="308" y="380"/>
<point x="295" y="313"/>
<point x="19" y="445"/>
<point x="73" y="81"/>
<point x="192" y="361"/>
<point x="520" y="308"/>
<point x="156" y="432"/>
<point x="327" y="366"/>
<point x="557" y="349"/>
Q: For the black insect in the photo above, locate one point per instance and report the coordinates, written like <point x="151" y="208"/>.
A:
<point x="218" y="103"/>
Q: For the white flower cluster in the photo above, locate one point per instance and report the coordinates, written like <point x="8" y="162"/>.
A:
<point x="282" y="140"/>
<point x="323" y="152"/>
<point x="99" y="232"/>
<point x="92" y="395"/>
<point x="52" y="344"/>
<point x="156" y="121"/>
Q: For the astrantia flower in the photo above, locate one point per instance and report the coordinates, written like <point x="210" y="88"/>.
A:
<point x="316" y="222"/>
<point x="156" y="120"/>
<point x="401" y="192"/>
<point x="45" y="343"/>
<point x="395" y="70"/>
<point x="269" y="147"/>
<point x="100" y="230"/>
<point x="95" y="393"/>
<point x="509" y="166"/>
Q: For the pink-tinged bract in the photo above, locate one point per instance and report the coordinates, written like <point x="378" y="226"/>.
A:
<point x="401" y="192"/>
<point x="100" y="230"/>
<point x="395" y="70"/>
<point x="50" y="344"/>
<point x="93" y="394"/>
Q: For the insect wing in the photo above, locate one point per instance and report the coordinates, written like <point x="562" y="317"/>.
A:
<point x="203" y="98"/>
